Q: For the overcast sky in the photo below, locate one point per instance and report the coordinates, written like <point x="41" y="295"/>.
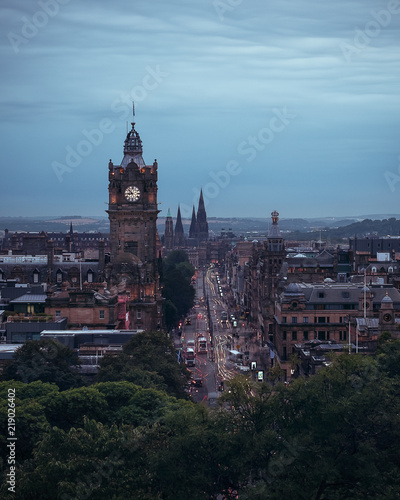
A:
<point x="289" y="105"/>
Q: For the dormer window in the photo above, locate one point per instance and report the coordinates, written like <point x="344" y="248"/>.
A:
<point x="36" y="276"/>
<point x="90" y="276"/>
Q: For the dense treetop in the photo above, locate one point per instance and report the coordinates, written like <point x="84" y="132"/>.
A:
<point x="333" y="436"/>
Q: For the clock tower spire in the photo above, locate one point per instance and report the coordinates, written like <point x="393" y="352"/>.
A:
<point x="132" y="212"/>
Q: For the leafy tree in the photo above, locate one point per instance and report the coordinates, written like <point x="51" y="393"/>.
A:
<point x="171" y="314"/>
<point x="177" y="288"/>
<point x="45" y="360"/>
<point x="148" y="359"/>
<point x="69" y="408"/>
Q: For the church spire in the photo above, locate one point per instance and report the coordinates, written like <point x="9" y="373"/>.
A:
<point x="193" y="225"/>
<point x="179" y="236"/>
<point x="202" y="224"/>
<point x="169" y="232"/>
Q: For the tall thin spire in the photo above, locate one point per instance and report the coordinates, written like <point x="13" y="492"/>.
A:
<point x="202" y="224"/>
<point x="193" y="225"/>
<point x="179" y="236"/>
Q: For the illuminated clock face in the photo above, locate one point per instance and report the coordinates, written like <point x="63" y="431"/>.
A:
<point x="132" y="193"/>
<point x="387" y="317"/>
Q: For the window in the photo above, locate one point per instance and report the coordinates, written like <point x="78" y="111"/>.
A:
<point x="305" y="335"/>
<point x="321" y="335"/>
<point x="321" y="319"/>
<point x="284" y="319"/>
<point x="59" y="277"/>
<point x="321" y="295"/>
<point x="284" y="353"/>
<point x="58" y="314"/>
<point x="294" y="319"/>
<point x="284" y="335"/>
<point x="305" y="319"/>
<point x="36" y="276"/>
<point x="294" y="335"/>
<point x="101" y="314"/>
<point x="342" y="335"/>
<point x="90" y="276"/>
<point x="139" y="314"/>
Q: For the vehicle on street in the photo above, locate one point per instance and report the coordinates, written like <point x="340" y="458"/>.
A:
<point x="197" y="382"/>
<point x="190" y="357"/>
<point x="202" y="345"/>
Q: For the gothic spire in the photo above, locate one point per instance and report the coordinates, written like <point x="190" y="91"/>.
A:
<point x="202" y="224"/>
<point x="179" y="237"/>
<point x="193" y="225"/>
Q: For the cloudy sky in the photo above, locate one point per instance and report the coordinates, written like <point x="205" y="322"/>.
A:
<point x="291" y="105"/>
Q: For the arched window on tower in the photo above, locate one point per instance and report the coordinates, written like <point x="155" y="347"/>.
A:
<point x="90" y="276"/>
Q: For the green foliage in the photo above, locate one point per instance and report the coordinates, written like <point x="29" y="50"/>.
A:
<point x="45" y="360"/>
<point x="332" y="436"/>
<point x="149" y="360"/>
<point x="177" y="288"/>
<point x="69" y="408"/>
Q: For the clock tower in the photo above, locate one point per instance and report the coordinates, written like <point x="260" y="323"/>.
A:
<point x="132" y="212"/>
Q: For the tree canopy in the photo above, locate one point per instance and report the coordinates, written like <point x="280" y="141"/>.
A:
<point x="177" y="288"/>
<point x="332" y="436"/>
<point x="46" y="360"/>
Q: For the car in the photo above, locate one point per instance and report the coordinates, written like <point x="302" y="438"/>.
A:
<point x="197" y="382"/>
<point x="188" y="321"/>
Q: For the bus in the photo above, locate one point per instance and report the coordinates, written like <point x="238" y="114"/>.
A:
<point x="189" y="357"/>
<point x="202" y="345"/>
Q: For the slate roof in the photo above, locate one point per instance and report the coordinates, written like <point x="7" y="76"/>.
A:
<point x="30" y="298"/>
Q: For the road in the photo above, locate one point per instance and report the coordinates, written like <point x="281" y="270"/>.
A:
<point x="214" y="366"/>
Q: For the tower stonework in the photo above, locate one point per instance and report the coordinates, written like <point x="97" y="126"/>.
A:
<point x="132" y="212"/>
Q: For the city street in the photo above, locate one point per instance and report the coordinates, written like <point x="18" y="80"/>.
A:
<point x="229" y="350"/>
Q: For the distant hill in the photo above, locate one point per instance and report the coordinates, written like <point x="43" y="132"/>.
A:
<point x="334" y="229"/>
<point x="360" y="229"/>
